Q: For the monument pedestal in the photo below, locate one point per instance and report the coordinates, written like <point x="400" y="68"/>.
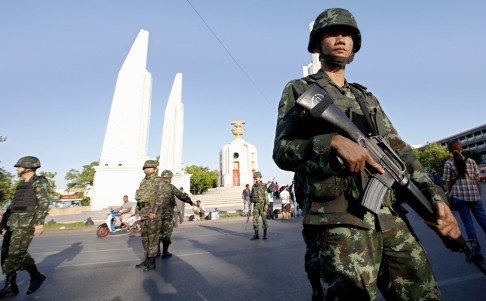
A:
<point x="112" y="183"/>
<point x="182" y="180"/>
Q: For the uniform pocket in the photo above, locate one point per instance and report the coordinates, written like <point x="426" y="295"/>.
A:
<point x="327" y="188"/>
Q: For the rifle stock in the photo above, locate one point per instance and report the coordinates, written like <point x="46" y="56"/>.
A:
<point x="320" y="105"/>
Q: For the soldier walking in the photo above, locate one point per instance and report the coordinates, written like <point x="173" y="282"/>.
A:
<point x="167" y="194"/>
<point x="259" y="198"/>
<point x="25" y="218"/>
<point x="148" y="207"/>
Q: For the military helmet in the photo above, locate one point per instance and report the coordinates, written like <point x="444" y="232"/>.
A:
<point x="167" y="174"/>
<point x="334" y="17"/>
<point x="28" y="162"/>
<point x="257" y="174"/>
<point x="150" y="163"/>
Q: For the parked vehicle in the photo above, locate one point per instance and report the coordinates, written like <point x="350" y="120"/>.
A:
<point x="108" y="227"/>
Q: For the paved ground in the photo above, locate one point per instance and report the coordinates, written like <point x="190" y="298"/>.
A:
<point x="213" y="260"/>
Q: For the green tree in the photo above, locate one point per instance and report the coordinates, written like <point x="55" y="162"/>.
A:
<point x="87" y="175"/>
<point x="52" y="183"/>
<point x="433" y="156"/>
<point x="202" y="178"/>
<point x="473" y="155"/>
<point x="72" y="177"/>
<point x="82" y="179"/>
<point x="6" y="192"/>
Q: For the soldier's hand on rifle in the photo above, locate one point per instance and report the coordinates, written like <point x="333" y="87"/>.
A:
<point x="446" y="224"/>
<point x="265" y="208"/>
<point x="39" y="229"/>
<point x="355" y="156"/>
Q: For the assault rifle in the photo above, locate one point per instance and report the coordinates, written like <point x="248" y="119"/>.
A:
<point x="320" y="105"/>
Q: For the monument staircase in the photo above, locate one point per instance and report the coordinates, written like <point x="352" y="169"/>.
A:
<point x="224" y="198"/>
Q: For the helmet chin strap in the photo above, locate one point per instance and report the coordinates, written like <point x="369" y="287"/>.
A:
<point x="336" y="60"/>
<point x="25" y="171"/>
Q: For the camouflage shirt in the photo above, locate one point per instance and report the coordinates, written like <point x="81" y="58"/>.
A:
<point x="28" y="219"/>
<point x="146" y="195"/>
<point x="259" y="193"/>
<point x="303" y="145"/>
<point x="167" y="194"/>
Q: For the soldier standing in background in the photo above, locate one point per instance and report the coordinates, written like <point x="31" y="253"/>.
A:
<point x="27" y="213"/>
<point x="390" y="255"/>
<point x="148" y="207"/>
<point x="259" y="198"/>
<point x="168" y="194"/>
<point x="179" y="210"/>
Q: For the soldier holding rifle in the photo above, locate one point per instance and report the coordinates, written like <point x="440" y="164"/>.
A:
<point x="360" y="250"/>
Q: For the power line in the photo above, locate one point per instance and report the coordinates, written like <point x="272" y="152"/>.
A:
<point x="229" y="53"/>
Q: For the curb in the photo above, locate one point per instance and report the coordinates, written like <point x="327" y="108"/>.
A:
<point x="185" y="224"/>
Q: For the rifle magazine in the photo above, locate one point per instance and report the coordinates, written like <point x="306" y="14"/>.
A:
<point x="373" y="195"/>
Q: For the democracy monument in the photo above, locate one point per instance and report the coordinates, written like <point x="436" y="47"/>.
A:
<point x="125" y="144"/>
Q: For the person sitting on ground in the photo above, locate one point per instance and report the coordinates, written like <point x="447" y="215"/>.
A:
<point x="198" y="209"/>
<point x="124" y="212"/>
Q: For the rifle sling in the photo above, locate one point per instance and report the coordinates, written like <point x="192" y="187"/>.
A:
<point x="364" y="108"/>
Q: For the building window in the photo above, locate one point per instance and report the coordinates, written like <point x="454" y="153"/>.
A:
<point x="236" y="156"/>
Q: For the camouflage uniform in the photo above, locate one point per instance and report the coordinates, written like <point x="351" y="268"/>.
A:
<point x="259" y="199"/>
<point x="168" y="192"/>
<point x="27" y="211"/>
<point x="309" y="234"/>
<point x="149" y="203"/>
<point x="359" y="251"/>
<point x="21" y="224"/>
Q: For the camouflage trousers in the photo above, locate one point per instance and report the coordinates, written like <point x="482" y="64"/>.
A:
<point x="18" y="258"/>
<point x="312" y="262"/>
<point x="355" y="262"/>
<point x="259" y="210"/>
<point x="166" y="229"/>
<point x="150" y="236"/>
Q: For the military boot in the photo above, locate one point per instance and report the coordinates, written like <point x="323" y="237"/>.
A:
<point x="255" y="236"/>
<point x="150" y="265"/>
<point x="165" y="248"/>
<point x="10" y="287"/>
<point x="36" y="279"/>
<point x="143" y="263"/>
<point x="264" y="233"/>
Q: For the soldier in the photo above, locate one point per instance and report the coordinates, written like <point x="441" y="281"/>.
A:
<point x="259" y="198"/>
<point x="358" y="249"/>
<point x="168" y="193"/>
<point x="179" y="210"/>
<point x="25" y="219"/>
<point x="148" y="207"/>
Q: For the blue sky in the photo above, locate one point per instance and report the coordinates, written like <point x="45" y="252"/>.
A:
<point x="59" y="60"/>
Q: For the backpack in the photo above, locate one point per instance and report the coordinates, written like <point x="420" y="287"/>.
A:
<point x="271" y="188"/>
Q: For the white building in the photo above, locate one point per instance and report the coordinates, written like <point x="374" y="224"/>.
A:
<point x="238" y="160"/>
